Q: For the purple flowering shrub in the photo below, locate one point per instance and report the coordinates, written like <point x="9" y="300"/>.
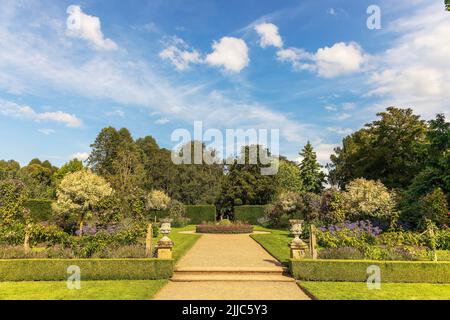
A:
<point x="358" y="234"/>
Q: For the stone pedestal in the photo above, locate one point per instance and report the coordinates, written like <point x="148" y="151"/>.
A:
<point x="165" y="245"/>
<point x="298" y="249"/>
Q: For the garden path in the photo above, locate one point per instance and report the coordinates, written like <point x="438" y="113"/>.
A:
<point x="229" y="267"/>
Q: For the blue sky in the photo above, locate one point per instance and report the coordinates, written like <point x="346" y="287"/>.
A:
<point x="310" y="68"/>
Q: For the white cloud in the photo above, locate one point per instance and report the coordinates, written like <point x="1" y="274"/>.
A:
<point x="269" y="35"/>
<point x="348" y="105"/>
<point x="324" y="151"/>
<point x="330" y="107"/>
<point x="343" y="116"/>
<point x="12" y="109"/>
<point x="46" y="132"/>
<point x="331" y="11"/>
<point x="116" y="113"/>
<point x="162" y="121"/>
<point x="328" y="62"/>
<point x="179" y="54"/>
<point x="340" y="59"/>
<point x="295" y="57"/>
<point x="84" y="26"/>
<point x="340" y="131"/>
<point x="82" y="156"/>
<point x="229" y="53"/>
<point x="414" y="71"/>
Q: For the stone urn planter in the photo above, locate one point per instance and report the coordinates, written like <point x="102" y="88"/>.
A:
<point x="297" y="246"/>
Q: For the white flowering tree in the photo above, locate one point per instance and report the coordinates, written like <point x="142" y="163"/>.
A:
<point x="158" y="200"/>
<point x="366" y="199"/>
<point x="79" y="193"/>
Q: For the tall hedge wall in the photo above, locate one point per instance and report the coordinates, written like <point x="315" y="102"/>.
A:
<point x="356" y="271"/>
<point x="201" y="213"/>
<point x="91" y="269"/>
<point x="41" y="209"/>
<point x="249" y="214"/>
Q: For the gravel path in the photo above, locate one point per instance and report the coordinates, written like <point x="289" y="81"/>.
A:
<point x="227" y="258"/>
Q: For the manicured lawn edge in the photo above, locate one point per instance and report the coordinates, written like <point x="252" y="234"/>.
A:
<point x="307" y="292"/>
<point x="91" y="269"/>
<point x="356" y="271"/>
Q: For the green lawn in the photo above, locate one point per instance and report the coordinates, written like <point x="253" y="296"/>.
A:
<point x="388" y="291"/>
<point x="90" y="290"/>
<point x="183" y="242"/>
<point x="276" y="243"/>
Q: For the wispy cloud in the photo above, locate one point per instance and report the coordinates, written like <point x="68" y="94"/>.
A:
<point x="12" y="109"/>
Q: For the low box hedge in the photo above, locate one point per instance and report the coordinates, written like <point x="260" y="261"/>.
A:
<point x="40" y="209"/>
<point x="356" y="271"/>
<point x="91" y="269"/>
<point x="225" y="229"/>
<point x="201" y="213"/>
<point x="249" y="214"/>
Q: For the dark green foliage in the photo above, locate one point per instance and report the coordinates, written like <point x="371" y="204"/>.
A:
<point x="356" y="271"/>
<point x="244" y="184"/>
<point x="434" y="207"/>
<point x="92" y="269"/>
<point x="40" y="209"/>
<point x="12" y="196"/>
<point x="249" y="214"/>
<point x="311" y="177"/>
<point x="9" y="169"/>
<point x="391" y="150"/>
<point x="201" y="213"/>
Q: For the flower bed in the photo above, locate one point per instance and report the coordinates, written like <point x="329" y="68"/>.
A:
<point x="225" y="229"/>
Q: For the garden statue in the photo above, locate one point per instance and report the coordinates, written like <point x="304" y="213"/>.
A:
<point x="165" y="245"/>
<point x="298" y="247"/>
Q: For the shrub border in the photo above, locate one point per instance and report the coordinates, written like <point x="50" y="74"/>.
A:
<point x="221" y="229"/>
<point x="356" y="271"/>
<point x="91" y="269"/>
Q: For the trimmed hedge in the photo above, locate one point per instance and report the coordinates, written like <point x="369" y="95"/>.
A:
<point x="91" y="269"/>
<point x="356" y="271"/>
<point x="41" y="209"/>
<point x="249" y="214"/>
<point x="201" y="213"/>
<point x="225" y="229"/>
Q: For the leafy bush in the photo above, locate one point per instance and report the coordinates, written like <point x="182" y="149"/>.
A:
<point x="434" y="207"/>
<point x="12" y="234"/>
<point x="177" y="212"/>
<point x="12" y="197"/>
<point x="40" y="209"/>
<point x="249" y="214"/>
<point x="92" y="269"/>
<point x="400" y="238"/>
<point x="332" y="208"/>
<point x="201" y="213"/>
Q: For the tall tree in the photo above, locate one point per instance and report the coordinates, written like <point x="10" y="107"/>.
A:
<point x="391" y="149"/>
<point x="310" y="170"/>
<point x="244" y="184"/>
<point x="288" y="177"/>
